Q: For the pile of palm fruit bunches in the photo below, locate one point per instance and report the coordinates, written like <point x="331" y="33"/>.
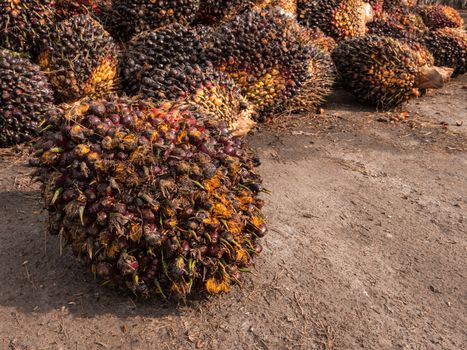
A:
<point x="137" y="111"/>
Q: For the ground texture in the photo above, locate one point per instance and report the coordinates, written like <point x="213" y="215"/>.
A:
<point x="367" y="246"/>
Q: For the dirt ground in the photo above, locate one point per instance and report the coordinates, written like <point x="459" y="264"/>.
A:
<point x="367" y="246"/>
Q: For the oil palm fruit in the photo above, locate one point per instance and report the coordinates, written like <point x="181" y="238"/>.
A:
<point x="264" y="53"/>
<point x="449" y="48"/>
<point x="321" y="40"/>
<point x="136" y="16"/>
<point x="154" y="198"/>
<point x="288" y="6"/>
<point x="80" y="59"/>
<point x="392" y="28"/>
<point x="439" y="16"/>
<point x="162" y="48"/>
<point x="23" y="22"/>
<point x="209" y="91"/>
<point x="26" y="100"/>
<point x="383" y="71"/>
<point x="336" y="18"/>
<point x="215" y="12"/>
<point x="65" y="9"/>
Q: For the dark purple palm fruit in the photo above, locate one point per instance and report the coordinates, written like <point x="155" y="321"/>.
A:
<point x="132" y="17"/>
<point x="155" y="198"/>
<point x="26" y="99"/>
<point x="23" y="22"/>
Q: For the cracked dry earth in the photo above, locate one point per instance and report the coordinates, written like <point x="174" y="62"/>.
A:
<point x="367" y="246"/>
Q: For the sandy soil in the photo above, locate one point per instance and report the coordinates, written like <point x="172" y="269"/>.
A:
<point x="367" y="246"/>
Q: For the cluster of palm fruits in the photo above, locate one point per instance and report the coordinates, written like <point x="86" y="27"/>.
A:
<point x="131" y="17"/>
<point x="80" y="59"/>
<point x="449" y="48"/>
<point x="23" y="22"/>
<point x="267" y="54"/>
<point x="439" y="16"/>
<point x="26" y="99"/>
<point x="153" y="198"/>
<point x="384" y="71"/>
<point x="336" y="18"/>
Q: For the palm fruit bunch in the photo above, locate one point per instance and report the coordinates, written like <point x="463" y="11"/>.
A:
<point x="79" y="58"/>
<point x="215" y="12"/>
<point x="264" y="53"/>
<point x="288" y="6"/>
<point x="23" y="22"/>
<point x="154" y="198"/>
<point x="26" y="100"/>
<point x="402" y="12"/>
<point x="449" y="48"/>
<point x="162" y="48"/>
<point x="205" y="89"/>
<point x="390" y="27"/>
<point x="321" y="40"/>
<point x="132" y="17"/>
<point x="336" y="18"/>
<point x="383" y="71"/>
<point x="65" y="9"/>
<point x="439" y="16"/>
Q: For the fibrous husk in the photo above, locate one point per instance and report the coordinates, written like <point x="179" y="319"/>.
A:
<point x="439" y="16"/>
<point x="205" y="89"/>
<point x="153" y="198"/>
<point x="383" y="71"/>
<point x="449" y="48"/>
<point x="22" y="23"/>
<point x="80" y="59"/>
<point x="266" y="53"/>
<point x="133" y="17"/>
<point x="26" y="99"/>
<point x="336" y="18"/>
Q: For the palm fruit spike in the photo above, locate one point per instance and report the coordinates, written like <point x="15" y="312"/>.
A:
<point x="209" y="91"/>
<point x="153" y="198"/>
<point x="80" y="59"/>
<point x="169" y="46"/>
<point x="265" y="54"/>
<point x="137" y="16"/>
<point x="439" y="16"/>
<point x="393" y="29"/>
<point x="26" y="100"/>
<point x="449" y="48"/>
<point x="383" y="71"/>
<point x="22" y="22"/>
<point x="336" y="18"/>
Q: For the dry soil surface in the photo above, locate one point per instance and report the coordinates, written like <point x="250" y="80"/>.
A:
<point x="367" y="246"/>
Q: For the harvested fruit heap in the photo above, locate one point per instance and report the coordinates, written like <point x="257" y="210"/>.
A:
<point x="383" y="71"/>
<point x="153" y="198"/>
<point x="26" y="100"/>
<point x="336" y="18"/>
<point x="449" y="48"/>
<point x="264" y="53"/>
<point x="136" y="16"/>
<point x="205" y="89"/>
<point x="166" y="47"/>
<point x="80" y="59"/>
<point x="23" y="22"/>
<point x="393" y="29"/>
<point x="438" y="16"/>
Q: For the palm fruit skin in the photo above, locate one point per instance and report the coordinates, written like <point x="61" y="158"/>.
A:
<point x="170" y="46"/>
<point x="22" y="23"/>
<point x="79" y="58"/>
<point x="378" y="70"/>
<point x="336" y="18"/>
<point x="26" y="100"/>
<point x="449" y="48"/>
<point x="137" y="16"/>
<point x="439" y="16"/>
<point x="266" y="54"/>
<point x="209" y="91"/>
<point x="152" y="197"/>
<point x="392" y="28"/>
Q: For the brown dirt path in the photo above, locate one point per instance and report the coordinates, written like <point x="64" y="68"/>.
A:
<point x="367" y="247"/>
